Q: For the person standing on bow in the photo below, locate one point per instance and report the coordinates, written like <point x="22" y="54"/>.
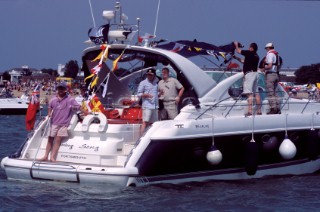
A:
<point x="60" y="111"/>
<point x="250" y="67"/>
<point x="82" y="96"/>
<point x="148" y="92"/>
<point x="171" y="91"/>
<point x="272" y="78"/>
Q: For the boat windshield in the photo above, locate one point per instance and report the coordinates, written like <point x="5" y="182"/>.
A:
<point x="122" y="83"/>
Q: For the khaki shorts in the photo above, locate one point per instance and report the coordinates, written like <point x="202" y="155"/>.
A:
<point x="56" y="130"/>
<point x="149" y="115"/>
<point x="170" y="110"/>
<point x="250" y="83"/>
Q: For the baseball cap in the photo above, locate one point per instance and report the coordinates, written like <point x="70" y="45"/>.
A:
<point x="151" y="71"/>
<point x="62" y="85"/>
<point x="83" y="87"/>
<point x="269" y="45"/>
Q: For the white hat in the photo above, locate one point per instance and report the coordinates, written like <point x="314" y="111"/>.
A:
<point x="269" y="45"/>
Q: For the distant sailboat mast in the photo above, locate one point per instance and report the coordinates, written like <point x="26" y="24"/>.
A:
<point x="156" y="24"/>
<point x="94" y="22"/>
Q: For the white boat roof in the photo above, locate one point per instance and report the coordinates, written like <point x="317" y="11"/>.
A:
<point x="198" y="79"/>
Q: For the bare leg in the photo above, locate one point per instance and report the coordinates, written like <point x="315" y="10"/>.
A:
<point x="55" y="149"/>
<point x="250" y="103"/>
<point x="48" y="148"/>
<point x="143" y="127"/>
<point x="258" y="103"/>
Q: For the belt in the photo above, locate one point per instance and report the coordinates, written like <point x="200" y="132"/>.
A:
<point x="271" y="72"/>
<point x="248" y="72"/>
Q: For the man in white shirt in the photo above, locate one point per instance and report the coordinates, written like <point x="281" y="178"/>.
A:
<point x="272" y="79"/>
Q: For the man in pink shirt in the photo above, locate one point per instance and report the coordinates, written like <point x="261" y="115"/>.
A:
<point x="60" y="110"/>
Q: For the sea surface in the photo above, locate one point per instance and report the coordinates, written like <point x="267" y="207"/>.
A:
<point x="289" y="193"/>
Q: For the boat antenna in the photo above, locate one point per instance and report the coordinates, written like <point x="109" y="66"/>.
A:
<point x="94" y="22"/>
<point x="155" y="27"/>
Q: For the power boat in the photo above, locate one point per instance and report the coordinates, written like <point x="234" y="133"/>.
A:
<point x="210" y="139"/>
<point x="10" y="105"/>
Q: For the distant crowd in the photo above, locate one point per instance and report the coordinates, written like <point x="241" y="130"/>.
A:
<point x="46" y="88"/>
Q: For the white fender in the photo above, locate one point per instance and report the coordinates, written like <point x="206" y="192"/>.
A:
<point x="89" y="118"/>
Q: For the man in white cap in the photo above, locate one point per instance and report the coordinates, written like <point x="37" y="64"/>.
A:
<point x="272" y="78"/>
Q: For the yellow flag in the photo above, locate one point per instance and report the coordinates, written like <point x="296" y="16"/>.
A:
<point x="98" y="57"/>
<point x="222" y="54"/>
<point x="103" y="54"/>
<point x="115" y="62"/>
<point x="94" y="82"/>
<point x="84" y="106"/>
<point x="88" y="77"/>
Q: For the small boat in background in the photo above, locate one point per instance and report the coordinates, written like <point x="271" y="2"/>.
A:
<point x="10" y="105"/>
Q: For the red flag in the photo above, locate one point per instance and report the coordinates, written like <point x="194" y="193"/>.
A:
<point x="33" y="107"/>
<point x="145" y="36"/>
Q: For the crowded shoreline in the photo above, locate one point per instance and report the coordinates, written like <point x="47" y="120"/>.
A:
<point x="46" y="92"/>
<point x="44" y="96"/>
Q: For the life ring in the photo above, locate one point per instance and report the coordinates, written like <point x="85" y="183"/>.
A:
<point x="103" y="125"/>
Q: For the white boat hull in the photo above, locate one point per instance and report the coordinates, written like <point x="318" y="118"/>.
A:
<point x="23" y="170"/>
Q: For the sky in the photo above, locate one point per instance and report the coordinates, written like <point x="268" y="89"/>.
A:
<point x="45" y="33"/>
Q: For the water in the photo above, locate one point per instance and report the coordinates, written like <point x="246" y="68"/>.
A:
<point x="290" y="193"/>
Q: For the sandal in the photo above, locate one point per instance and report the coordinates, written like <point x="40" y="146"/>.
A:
<point x="248" y="114"/>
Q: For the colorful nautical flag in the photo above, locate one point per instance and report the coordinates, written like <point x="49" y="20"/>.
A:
<point x="103" y="54"/>
<point x="188" y="48"/>
<point x="177" y="47"/>
<point x="145" y="36"/>
<point x="93" y="104"/>
<point x="99" y="35"/>
<point x="95" y="70"/>
<point x="115" y="62"/>
<point x="33" y="107"/>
